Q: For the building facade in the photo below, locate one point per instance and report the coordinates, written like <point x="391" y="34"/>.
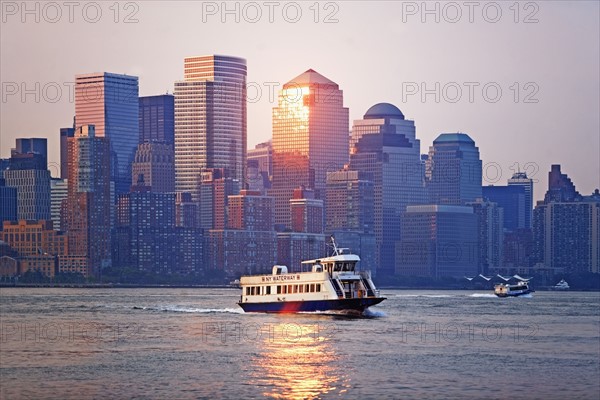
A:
<point x="28" y="173"/>
<point x="306" y="212"/>
<point x="154" y="165"/>
<point x="310" y="138"/>
<point x="490" y="232"/>
<point x="438" y="241"/>
<point x="65" y="134"/>
<point x="8" y="201"/>
<point x="87" y="211"/>
<point x="210" y="120"/>
<point x="157" y="119"/>
<point x="250" y="210"/>
<point x="349" y="201"/>
<point x="110" y="103"/>
<point x="384" y="146"/>
<point x="513" y="200"/>
<point x="215" y="188"/>
<point x="453" y="170"/>
<point x="520" y="179"/>
<point x="59" y="191"/>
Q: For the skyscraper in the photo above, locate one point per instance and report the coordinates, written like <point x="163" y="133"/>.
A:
<point x="210" y="120"/>
<point x="453" y="170"/>
<point x="88" y="207"/>
<point x="157" y="119"/>
<point x="520" y="179"/>
<point x="110" y="103"/>
<point x="384" y="145"/>
<point x="29" y="175"/>
<point x="65" y="134"/>
<point x="310" y="138"/>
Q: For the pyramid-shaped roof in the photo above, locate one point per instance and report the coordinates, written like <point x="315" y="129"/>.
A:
<point x="310" y="77"/>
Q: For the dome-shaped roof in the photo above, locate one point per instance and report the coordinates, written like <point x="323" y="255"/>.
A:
<point x="383" y="110"/>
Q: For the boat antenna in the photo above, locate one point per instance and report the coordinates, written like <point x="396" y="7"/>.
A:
<point x="334" y="246"/>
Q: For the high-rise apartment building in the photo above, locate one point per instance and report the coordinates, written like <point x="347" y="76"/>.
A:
<point x="310" y="138"/>
<point x="215" y="188"/>
<point x="210" y="120"/>
<point x="87" y="217"/>
<point x="306" y="211"/>
<point x="251" y="211"/>
<point x="349" y="201"/>
<point x="566" y="227"/>
<point x="110" y="103"/>
<point x="59" y="190"/>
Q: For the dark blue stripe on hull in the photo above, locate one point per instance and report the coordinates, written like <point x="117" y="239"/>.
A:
<point x="315" y="305"/>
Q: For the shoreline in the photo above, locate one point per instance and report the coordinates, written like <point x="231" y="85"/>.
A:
<point x="159" y="286"/>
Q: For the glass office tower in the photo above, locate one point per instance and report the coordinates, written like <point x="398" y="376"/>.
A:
<point x="110" y="103"/>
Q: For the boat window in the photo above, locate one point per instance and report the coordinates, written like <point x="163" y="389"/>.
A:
<point x="252" y="290"/>
<point x="336" y="267"/>
<point x="301" y="289"/>
<point x="278" y="289"/>
<point x="248" y="291"/>
<point x="306" y="288"/>
<point x="268" y="290"/>
<point x="290" y="289"/>
<point x="295" y="288"/>
<point x="318" y="287"/>
<point x="312" y="287"/>
<point x="284" y="289"/>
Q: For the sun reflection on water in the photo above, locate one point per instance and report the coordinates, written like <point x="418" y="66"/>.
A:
<point x="299" y="361"/>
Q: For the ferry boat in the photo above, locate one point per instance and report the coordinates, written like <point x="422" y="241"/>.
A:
<point x="562" y="285"/>
<point x="328" y="284"/>
<point x="507" y="290"/>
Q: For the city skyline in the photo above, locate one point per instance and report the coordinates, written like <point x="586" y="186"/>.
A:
<point x="511" y="135"/>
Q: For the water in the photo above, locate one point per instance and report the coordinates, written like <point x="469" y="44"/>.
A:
<point x="196" y="343"/>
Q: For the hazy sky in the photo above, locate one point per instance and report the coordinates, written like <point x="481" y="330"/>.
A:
<point x="543" y="56"/>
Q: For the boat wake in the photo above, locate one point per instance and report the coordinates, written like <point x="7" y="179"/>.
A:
<point x="430" y="296"/>
<point x="368" y="313"/>
<point x="192" y="310"/>
<point x="374" y="313"/>
<point x="484" y="295"/>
